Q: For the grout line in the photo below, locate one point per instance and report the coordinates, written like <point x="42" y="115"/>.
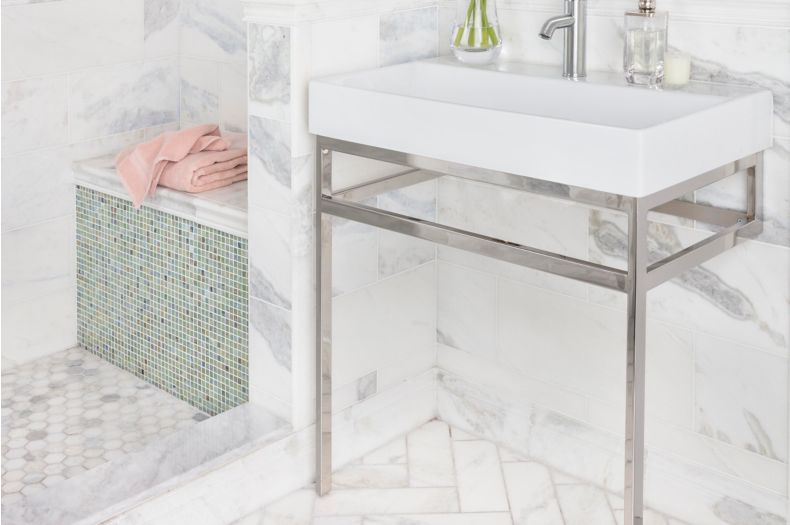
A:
<point x="554" y="491"/>
<point x="504" y="482"/>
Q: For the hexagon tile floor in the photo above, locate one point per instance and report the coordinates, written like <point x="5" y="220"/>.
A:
<point x="71" y="411"/>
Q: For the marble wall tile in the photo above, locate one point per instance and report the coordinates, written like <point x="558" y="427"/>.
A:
<point x="731" y="193"/>
<point x="741" y="396"/>
<point x="270" y="71"/>
<point x="34" y="114"/>
<point x="520" y="40"/>
<point x="750" y="55"/>
<point x="354" y="255"/>
<point x="741" y="295"/>
<point x="446" y="20"/>
<point x="269" y="164"/>
<point x="34" y="36"/>
<point x="122" y="98"/>
<point x="534" y="338"/>
<point x="397" y="253"/>
<point x="233" y="96"/>
<point x="161" y="27"/>
<point x="37" y="326"/>
<point x="270" y="257"/>
<point x="384" y="323"/>
<point x="270" y="356"/>
<point x="509" y="383"/>
<point x="554" y="225"/>
<point x="713" y="456"/>
<point x="303" y="308"/>
<point x="199" y="90"/>
<point x="467" y="311"/>
<point x="409" y="365"/>
<point x="5" y="3"/>
<point x="339" y="46"/>
<point x="38" y="260"/>
<point x="213" y="30"/>
<point x="36" y="187"/>
<point x="513" y="272"/>
<point x="344" y="396"/>
<point x="408" y="35"/>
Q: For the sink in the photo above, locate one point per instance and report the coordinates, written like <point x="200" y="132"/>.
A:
<point x="599" y="134"/>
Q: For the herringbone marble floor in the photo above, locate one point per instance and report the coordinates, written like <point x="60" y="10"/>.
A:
<point x="439" y="475"/>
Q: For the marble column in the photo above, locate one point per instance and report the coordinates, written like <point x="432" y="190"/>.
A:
<point x="289" y="43"/>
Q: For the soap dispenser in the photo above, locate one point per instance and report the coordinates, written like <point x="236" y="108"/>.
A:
<point x="645" y="44"/>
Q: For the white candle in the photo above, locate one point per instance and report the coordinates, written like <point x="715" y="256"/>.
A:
<point x="677" y="68"/>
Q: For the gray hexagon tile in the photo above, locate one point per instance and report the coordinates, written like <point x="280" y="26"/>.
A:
<point x="72" y="411"/>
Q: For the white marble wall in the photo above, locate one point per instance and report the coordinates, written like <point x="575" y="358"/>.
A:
<point x="212" y="62"/>
<point x="384" y="322"/>
<point x="717" y="336"/>
<point x="80" y="78"/>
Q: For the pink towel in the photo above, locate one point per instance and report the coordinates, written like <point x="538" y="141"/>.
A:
<point x="204" y="170"/>
<point x="213" y="185"/>
<point x="141" y="167"/>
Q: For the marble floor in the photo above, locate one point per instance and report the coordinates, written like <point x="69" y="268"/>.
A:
<point x="72" y="411"/>
<point x="438" y="475"/>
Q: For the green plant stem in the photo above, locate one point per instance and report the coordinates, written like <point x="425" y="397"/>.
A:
<point x="477" y="22"/>
<point x="471" y="25"/>
<point x="483" y="23"/>
<point x="469" y="13"/>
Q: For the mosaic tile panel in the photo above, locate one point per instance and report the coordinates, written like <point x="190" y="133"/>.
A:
<point x="163" y="298"/>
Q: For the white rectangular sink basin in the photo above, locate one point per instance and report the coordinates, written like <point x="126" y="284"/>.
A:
<point x="599" y="134"/>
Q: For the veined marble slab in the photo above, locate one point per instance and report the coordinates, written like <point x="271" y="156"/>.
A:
<point x="117" y="486"/>
<point x="224" y="209"/>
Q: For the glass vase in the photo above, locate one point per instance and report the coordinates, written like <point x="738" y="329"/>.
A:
<point x="476" y="38"/>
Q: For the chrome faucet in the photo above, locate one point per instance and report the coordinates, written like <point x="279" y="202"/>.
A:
<point x="574" y="22"/>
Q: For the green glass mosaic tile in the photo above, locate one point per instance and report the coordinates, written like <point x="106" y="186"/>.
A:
<point x="164" y="298"/>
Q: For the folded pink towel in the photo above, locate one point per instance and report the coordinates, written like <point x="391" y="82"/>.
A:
<point x="178" y="175"/>
<point x="219" y="182"/>
<point x="141" y="167"/>
<point x="202" y="171"/>
<point x="220" y="166"/>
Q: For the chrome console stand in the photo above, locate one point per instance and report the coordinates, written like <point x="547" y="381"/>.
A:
<point x="636" y="281"/>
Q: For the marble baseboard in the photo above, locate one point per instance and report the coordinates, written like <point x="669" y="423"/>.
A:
<point x="267" y="473"/>
<point x="675" y="486"/>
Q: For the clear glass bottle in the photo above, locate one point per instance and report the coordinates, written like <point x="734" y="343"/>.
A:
<point x="476" y="38"/>
<point x="645" y="44"/>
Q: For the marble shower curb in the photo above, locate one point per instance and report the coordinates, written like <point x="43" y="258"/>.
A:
<point x="116" y="486"/>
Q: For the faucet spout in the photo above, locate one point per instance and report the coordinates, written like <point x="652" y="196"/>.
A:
<point x="554" y="23"/>
<point x="574" y="23"/>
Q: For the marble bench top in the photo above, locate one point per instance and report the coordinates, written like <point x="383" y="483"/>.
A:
<point x="224" y="209"/>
